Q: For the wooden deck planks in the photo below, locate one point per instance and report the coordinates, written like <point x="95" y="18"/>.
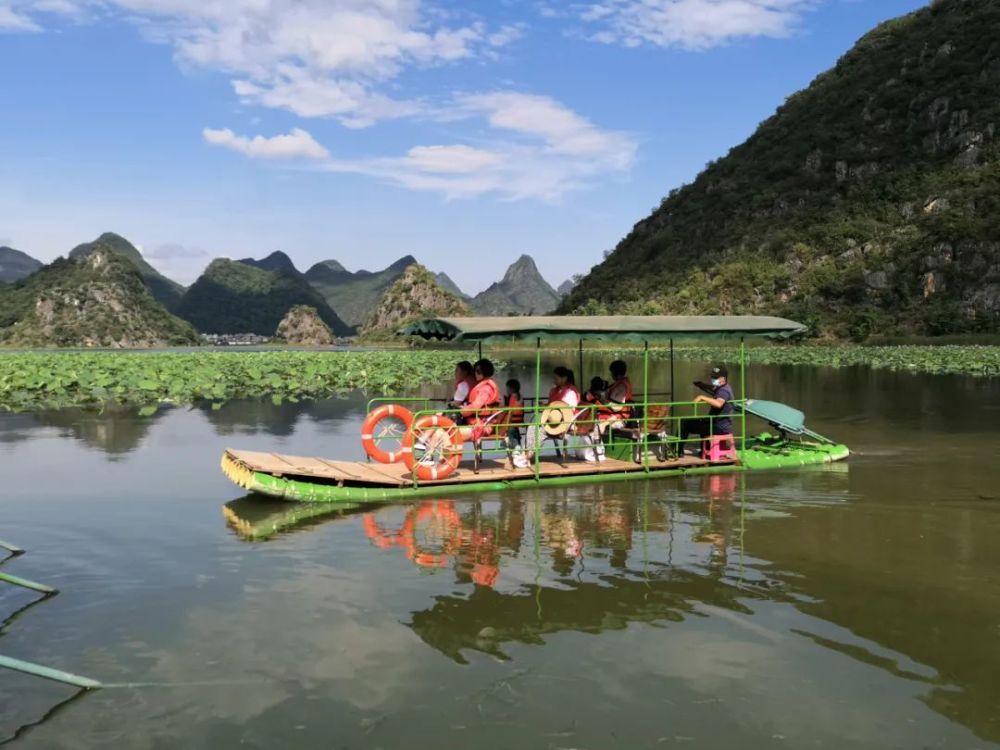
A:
<point x="396" y="475"/>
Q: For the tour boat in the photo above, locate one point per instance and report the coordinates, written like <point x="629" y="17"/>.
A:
<point x="416" y="448"/>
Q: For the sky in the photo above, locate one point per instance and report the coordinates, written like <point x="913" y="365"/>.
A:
<point x="464" y="134"/>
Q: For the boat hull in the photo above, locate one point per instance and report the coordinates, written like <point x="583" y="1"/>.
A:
<point x="342" y="482"/>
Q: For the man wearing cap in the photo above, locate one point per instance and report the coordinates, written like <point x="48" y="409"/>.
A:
<point x="719" y="421"/>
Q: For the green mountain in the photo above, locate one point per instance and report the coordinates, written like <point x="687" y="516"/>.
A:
<point x="167" y="292"/>
<point x="276" y="261"/>
<point x="15" y="265"/>
<point x="522" y="291"/>
<point x="868" y="203"/>
<point x="444" y="281"/>
<point x="354" y="295"/>
<point x="95" y="299"/>
<point x="413" y="295"/>
<point x="233" y="297"/>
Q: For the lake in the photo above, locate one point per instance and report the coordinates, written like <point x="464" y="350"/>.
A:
<point x="850" y="606"/>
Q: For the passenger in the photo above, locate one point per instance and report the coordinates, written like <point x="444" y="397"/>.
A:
<point x="564" y="387"/>
<point x="719" y="421"/>
<point x="620" y="391"/>
<point x="563" y="390"/>
<point x="514" y="417"/>
<point x="465" y="379"/>
<point x="590" y="425"/>
<point x="480" y="409"/>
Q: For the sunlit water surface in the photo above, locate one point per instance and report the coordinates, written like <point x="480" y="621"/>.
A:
<point x="854" y="606"/>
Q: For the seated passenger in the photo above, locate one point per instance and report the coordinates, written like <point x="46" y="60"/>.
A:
<point x="620" y="391"/>
<point x="514" y="418"/>
<point x="563" y="391"/>
<point x="464" y="381"/>
<point x="718" y="422"/>
<point x="480" y="412"/>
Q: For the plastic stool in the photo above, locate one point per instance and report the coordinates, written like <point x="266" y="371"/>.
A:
<point x="719" y="448"/>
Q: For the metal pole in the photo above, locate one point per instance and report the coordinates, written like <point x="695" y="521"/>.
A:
<point x="538" y="414"/>
<point x="580" y="360"/>
<point x="645" y="405"/>
<point x="671" y="369"/>
<point x="24" y="583"/>
<point x="47" y="673"/>
<point x="743" y="396"/>
<point x="480" y="350"/>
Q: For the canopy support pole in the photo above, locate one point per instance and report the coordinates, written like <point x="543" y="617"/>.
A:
<point x="743" y="396"/>
<point x="536" y="420"/>
<point x="645" y="406"/>
<point x="580" y="360"/>
<point x="671" y="369"/>
<point x="480" y="349"/>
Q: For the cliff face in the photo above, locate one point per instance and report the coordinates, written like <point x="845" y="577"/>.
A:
<point x="869" y="203"/>
<point x="354" y="295"/>
<point x="96" y="299"/>
<point x="415" y="294"/>
<point x="522" y="291"/>
<point x="303" y="325"/>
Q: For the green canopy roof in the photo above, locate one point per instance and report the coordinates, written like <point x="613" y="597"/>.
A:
<point x="636" y="328"/>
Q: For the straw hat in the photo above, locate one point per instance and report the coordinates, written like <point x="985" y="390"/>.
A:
<point x="557" y="419"/>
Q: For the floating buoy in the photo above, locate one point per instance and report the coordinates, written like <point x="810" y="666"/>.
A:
<point x="373" y="431"/>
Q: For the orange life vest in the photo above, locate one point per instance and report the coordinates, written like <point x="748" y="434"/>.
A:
<point x="622" y="388"/>
<point x="559" y="393"/>
<point x="516" y="416"/>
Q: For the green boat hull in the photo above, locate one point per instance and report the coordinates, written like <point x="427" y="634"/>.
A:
<point x="759" y="455"/>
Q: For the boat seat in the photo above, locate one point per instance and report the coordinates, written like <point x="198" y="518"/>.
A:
<point x="719" y="448"/>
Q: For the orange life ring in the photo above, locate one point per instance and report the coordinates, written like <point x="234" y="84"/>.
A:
<point x="452" y="450"/>
<point x="371" y="423"/>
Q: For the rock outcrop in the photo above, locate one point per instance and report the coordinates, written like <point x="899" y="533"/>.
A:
<point x="302" y="325"/>
<point x="522" y="291"/>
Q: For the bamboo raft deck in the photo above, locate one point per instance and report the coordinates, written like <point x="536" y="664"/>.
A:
<point x="311" y="479"/>
<point x="359" y="473"/>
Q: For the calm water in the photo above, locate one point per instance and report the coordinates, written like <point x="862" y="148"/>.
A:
<point x="856" y="606"/>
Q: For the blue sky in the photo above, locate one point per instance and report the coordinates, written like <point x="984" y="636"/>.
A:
<point x="464" y="134"/>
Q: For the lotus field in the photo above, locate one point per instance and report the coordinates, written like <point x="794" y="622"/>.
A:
<point x="51" y="380"/>
<point x="964" y="360"/>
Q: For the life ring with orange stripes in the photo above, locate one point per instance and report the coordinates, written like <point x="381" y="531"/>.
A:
<point x="443" y="435"/>
<point x="369" y="431"/>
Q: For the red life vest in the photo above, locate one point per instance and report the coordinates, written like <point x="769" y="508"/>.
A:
<point x="622" y="390"/>
<point x="484" y="395"/>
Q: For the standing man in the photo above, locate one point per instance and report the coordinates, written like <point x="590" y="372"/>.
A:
<point x="719" y="420"/>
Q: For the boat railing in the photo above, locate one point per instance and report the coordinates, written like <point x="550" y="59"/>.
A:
<point x="649" y="434"/>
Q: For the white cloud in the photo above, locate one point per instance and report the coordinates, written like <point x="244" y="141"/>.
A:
<point x="317" y="58"/>
<point x="691" y="24"/>
<point x="12" y="20"/>
<point x="295" y="145"/>
<point x="555" y="151"/>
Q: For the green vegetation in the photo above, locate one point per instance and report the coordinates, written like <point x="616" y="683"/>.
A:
<point x="50" y="380"/>
<point x="354" y="295"/>
<point x="415" y="294"/>
<point x="522" y="291"/>
<point x="165" y="291"/>
<point x="98" y="299"/>
<point x="233" y="297"/>
<point x="869" y="204"/>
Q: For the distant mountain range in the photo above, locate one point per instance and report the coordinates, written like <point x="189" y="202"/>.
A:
<point x="254" y="295"/>
<point x="521" y="291"/>
<point x="15" y="265"/>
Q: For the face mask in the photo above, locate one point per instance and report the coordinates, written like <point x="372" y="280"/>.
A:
<point x="716" y="382"/>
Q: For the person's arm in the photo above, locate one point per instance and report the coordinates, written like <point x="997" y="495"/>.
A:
<point x="715" y="403"/>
